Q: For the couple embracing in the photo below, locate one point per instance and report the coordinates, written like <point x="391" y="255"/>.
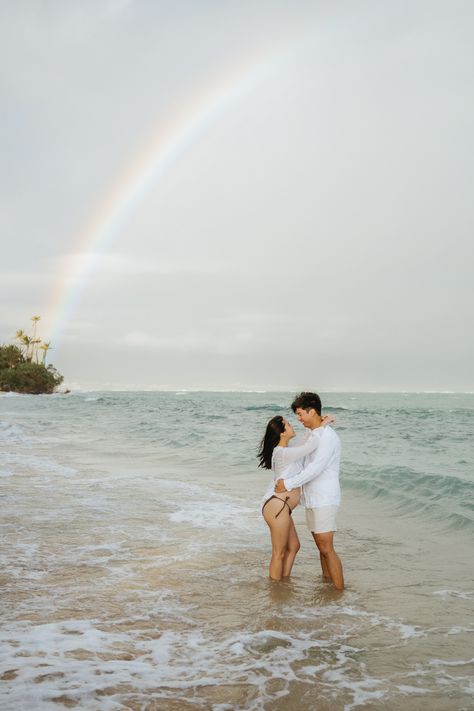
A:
<point x="308" y="469"/>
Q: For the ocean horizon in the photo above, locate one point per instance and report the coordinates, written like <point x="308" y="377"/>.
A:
<point x="71" y="388"/>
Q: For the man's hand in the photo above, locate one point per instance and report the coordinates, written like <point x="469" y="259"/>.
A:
<point x="280" y="487"/>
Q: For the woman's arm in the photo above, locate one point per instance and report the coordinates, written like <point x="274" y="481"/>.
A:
<point x="292" y="454"/>
<point x="284" y="456"/>
<point x="328" y="420"/>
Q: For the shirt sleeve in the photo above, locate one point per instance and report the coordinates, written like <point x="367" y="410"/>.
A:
<point x="314" y="468"/>
<point x="300" y="439"/>
<point x="288" y="455"/>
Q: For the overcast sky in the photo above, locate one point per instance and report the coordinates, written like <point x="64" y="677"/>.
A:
<point x="314" y="231"/>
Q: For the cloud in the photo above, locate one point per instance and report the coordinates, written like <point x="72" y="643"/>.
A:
<point x="21" y="279"/>
<point x="119" y="265"/>
<point x="232" y="341"/>
<point x="182" y="342"/>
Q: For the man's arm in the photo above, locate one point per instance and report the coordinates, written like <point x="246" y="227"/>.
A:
<point x="287" y="455"/>
<point x="315" y="468"/>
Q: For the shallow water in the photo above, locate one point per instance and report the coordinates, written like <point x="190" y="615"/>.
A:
<point x="134" y="559"/>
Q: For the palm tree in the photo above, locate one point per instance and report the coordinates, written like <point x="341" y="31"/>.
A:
<point x="32" y="344"/>
<point x="34" y="348"/>
<point x="34" y="340"/>
<point x="27" y="341"/>
<point x="45" y="347"/>
<point x="24" y="340"/>
<point x="35" y="320"/>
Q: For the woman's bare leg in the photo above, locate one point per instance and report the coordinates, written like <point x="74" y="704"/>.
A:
<point x="279" y="530"/>
<point x="292" y="549"/>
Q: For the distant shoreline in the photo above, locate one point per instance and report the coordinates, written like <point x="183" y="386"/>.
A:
<point x="186" y="391"/>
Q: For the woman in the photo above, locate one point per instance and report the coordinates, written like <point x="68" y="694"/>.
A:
<point x="284" y="461"/>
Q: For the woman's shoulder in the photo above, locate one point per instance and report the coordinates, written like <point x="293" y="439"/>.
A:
<point x="277" y="455"/>
<point x="277" y="451"/>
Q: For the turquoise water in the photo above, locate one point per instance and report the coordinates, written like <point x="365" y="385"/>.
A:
<point x="135" y="559"/>
<point x="415" y="451"/>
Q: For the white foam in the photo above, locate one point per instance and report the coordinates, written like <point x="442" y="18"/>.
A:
<point x="469" y="689"/>
<point x="464" y="595"/>
<point x="98" y="554"/>
<point x="200" y="507"/>
<point x="19" y="463"/>
<point x="157" y="662"/>
<point x="405" y="631"/>
<point x="160" y="603"/>
<point x="362" y="690"/>
<point x="49" y="663"/>
<point x="407" y="689"/>
<point x="457" y="663"/>
<point x="460" y="630"/>
<point x="19" y="561"/>
<point x="205" y="514"/>
<point x="13" y="433"/>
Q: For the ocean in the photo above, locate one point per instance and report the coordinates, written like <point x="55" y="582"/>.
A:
<point x="134" y="559"/>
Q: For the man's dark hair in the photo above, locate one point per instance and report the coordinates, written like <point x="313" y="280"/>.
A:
<point x="307" y="401"/>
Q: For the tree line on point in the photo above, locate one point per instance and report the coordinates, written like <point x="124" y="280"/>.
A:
<point x="23" y="367"/>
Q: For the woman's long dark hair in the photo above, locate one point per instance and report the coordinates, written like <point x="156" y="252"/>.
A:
<point x="270" y="440"/>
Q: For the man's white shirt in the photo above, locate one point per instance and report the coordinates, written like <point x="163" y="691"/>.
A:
<point x="320" y="474"/>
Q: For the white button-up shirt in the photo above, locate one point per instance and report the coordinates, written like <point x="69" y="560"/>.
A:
<point x="320" y="475"/>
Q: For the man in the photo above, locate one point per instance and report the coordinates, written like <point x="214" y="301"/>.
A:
<point x="321" y="493"/>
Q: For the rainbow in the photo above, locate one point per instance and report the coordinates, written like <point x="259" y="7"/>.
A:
<point x="182" y="130"/>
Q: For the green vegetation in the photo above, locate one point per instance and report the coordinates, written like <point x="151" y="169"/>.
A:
<point x="23" y="367"/>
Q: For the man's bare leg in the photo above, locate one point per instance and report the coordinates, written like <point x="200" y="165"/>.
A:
<point x="324" y="566"/>
<point x="325" y="544"/>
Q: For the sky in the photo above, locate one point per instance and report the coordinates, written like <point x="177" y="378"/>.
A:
<point x="240" y="195"/>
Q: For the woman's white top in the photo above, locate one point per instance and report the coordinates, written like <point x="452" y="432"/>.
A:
<point x="288" y="461"/>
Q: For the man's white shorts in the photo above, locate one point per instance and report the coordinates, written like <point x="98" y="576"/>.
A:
<point x="322" y="519"/>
